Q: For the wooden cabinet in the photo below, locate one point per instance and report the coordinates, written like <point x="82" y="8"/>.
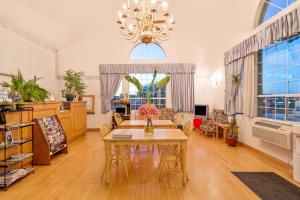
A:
<point x="73" y="121"/>
<point x="78" y="119"/>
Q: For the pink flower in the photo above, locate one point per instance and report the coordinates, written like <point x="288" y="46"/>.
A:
<point x="148" y="111"/>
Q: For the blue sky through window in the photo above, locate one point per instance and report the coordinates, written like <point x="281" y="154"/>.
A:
<point x="272" y="7"/>
<point x="147" y="52"/>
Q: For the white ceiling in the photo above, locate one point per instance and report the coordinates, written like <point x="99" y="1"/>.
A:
<point x="57" y="23"/>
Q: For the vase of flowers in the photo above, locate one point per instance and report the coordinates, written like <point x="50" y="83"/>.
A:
<point x="149" y="112"/>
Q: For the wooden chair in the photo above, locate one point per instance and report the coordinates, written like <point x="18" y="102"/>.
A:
<point x="177" y="119"/>
<point x="173" y="154"/>
<point x="118" y="119"/>
<point x="120" y="153"/>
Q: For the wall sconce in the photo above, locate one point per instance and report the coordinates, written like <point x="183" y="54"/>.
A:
<point x="216" y="78"/>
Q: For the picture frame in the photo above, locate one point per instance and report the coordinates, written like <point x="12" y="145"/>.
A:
<point x="89" y="103"/>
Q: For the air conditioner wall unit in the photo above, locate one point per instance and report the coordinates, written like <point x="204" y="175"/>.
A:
<point x="274" y="132"/>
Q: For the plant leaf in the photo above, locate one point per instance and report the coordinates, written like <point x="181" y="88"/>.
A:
<point x="154" y="77"/>
<point x="163" y="82"/>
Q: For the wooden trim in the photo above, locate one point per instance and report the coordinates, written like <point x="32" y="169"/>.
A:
<point x="92" y="129"/>
<point x="278" y="161"/>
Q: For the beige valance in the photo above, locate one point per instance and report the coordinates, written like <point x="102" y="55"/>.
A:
<point x="284" y="27"/>
<point x="169" y="68"/>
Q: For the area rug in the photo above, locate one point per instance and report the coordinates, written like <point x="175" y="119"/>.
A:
<point x="269" y="186"/>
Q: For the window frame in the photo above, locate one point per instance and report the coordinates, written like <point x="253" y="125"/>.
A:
<point x="287" y="96"/>
<point x="264" y="4"/>
<point x="126" y="89"/>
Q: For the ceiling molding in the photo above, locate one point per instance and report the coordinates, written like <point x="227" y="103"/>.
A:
<point x="5" y="25"/>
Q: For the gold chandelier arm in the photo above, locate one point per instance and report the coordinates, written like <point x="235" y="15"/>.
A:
<point x="146" y="22"/>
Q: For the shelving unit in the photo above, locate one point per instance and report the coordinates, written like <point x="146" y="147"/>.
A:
<point x="50" y="138"/>
<point x="16" y="154"/>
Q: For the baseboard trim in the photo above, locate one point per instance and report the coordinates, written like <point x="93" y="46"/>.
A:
<point x="278" y="161"/>
<point x="92" y="129"/>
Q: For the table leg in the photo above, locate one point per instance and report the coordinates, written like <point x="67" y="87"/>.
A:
<point x="107" y="174"/>
<point x="184" y="163"/>
<point x="217" y="132"/>
<point x="225" y="130"/>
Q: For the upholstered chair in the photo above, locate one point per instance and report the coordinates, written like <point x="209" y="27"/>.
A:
<point x="166" y="114"/>
<point x="209" y="127"/>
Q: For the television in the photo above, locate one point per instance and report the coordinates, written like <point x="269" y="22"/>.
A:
<point x="121" y="110"/>
<point x="201" y="111"/>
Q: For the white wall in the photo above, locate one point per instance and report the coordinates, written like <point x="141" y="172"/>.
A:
<point x="18" y="53"/>
<point x="204" y="31"/>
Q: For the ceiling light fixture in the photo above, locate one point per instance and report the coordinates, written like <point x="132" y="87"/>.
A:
<point x="146" y="21"/>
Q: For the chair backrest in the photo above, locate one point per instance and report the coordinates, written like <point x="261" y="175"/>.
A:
<point x="118" y="119"/>
<point x="166" y="114"/>
<point x="177" y="118"/>
<point x="220" y="116"/>
<point x="104" y="129"/>
<point x="187" y="128"/>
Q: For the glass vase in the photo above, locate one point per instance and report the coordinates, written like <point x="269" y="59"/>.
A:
<point x="149" y="128"/>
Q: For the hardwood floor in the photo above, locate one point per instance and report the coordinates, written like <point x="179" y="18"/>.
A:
<point x="77" y="175"/>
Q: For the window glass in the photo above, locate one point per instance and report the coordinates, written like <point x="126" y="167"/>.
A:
<point x="279" y="81"/>
<point x="147" y="52"/>
<point x="272" y="7"/>
<point x="158" y="96"/>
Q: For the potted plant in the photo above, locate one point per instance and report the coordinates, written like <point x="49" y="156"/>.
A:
<point x="4" y="103"/>
<point x="232" y="137"/>
<point x="74" y="85"/>
<point x="29" y="91"/>
<point x="148" y="111"/>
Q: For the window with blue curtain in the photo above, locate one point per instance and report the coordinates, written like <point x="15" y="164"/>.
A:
<point x="272" y="7"/>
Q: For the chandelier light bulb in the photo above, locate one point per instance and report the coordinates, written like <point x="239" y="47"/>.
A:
<point x="148" y="21"/>
<point x="120" y="14"/>
<point x="164" y="4"/>
<point x="130" y="27"/>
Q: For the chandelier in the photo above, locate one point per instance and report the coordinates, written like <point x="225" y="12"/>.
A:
<point x="146" y="21"/>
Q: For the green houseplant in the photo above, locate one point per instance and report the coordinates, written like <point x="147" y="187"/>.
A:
<point x="160" y="84"/>
<point x="74" y="85"/>
<point x="232" y="137"/>
<point x="29" y="90"/>
<point x="148" y="111"/>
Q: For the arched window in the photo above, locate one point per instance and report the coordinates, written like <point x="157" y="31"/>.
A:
<point x="278" y="70"/>
<point x="147" y="52"/>
<point x="272" y="7"/>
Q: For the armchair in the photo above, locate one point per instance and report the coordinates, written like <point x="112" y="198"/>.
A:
<point x="209" y="127"/>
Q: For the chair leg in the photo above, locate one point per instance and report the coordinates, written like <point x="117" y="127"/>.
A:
<point x="125" y="167"/>
<point x="160" y="161"/>
<point x="162" y="167"/>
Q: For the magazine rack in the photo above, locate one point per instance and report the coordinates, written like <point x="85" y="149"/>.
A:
<point x="49" y="139"/>
<point x="16" y="145"/>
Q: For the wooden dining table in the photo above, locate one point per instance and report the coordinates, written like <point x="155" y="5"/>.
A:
<point x="140" y="124"/>
<point x="159" y="137"/>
